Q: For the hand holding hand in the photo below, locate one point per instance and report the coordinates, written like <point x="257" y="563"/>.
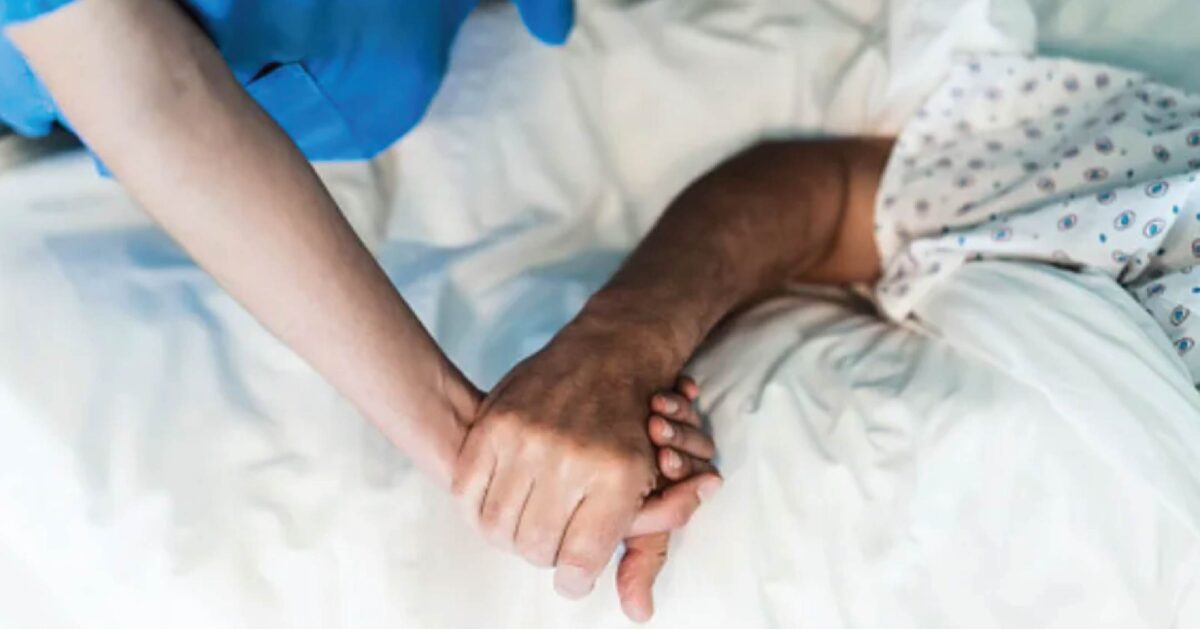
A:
<point x="557" y="464"/>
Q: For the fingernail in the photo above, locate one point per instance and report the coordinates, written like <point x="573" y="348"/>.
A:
<point x="673" y="460"/>
<point x="708" y="488"/>
<point x="670" y="405"/>
<point x="668" y="432"/>
<point x="572" y="581"/>
<point x="639" y="613"/>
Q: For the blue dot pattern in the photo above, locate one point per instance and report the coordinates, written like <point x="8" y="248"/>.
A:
<point x="1075" y="164"/>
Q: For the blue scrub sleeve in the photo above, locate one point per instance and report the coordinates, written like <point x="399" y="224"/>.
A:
<point x="548" y="20"/>
<point x="20" y="10"/>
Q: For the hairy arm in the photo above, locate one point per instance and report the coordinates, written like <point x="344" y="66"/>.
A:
<point x="153" y="98"/>
<point x="779" y="212"/>
<point x="558" y="463"/>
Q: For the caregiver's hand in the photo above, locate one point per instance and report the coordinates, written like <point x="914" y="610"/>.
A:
<point x="558" y="462"/>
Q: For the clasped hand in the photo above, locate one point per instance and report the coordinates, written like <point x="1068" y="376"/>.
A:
<point x="572" y="453"/>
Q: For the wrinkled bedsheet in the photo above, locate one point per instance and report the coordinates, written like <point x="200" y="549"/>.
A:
<point x="164" y="461"/>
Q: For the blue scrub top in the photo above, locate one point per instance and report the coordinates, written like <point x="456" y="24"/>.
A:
<point x="344" y="78"/>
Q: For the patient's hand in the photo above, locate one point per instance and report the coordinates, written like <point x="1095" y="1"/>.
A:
<point x="557" y="465"/>
<point x="684" y="455"/>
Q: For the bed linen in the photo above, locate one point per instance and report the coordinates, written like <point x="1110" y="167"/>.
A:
<point x="164" y="461"/>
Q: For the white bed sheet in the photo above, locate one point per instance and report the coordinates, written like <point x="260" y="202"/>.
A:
<point x="164" y="461"/>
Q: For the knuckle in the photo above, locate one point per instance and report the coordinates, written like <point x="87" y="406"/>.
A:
<point x="630" y="582"/>
<point x="463" y="484"/>
<point x="628" y="458"/>
<point x="491" y="517"/>
<point x="539" y="557"/>
<point x="535" y="444"/>
<point x="585" y="457"/>
<point x="588" y="553"/>
<point x="498" y="538"/>
<point x="608" y="458"/>
<point x="502" y="423"/>
<point x="586" y="559"/>
<point x="627" y="581"/>
<point x="618" y="470"/>
<point x="537" y="547"/>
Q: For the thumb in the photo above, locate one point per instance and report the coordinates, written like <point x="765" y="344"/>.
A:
<point x="548" y="20"/>
<point x="675" y="506"/>
<point x="643" y="560"/>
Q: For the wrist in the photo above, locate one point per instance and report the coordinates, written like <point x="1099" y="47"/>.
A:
<point x="649" y="349"/>
<point x="429" y="422"/>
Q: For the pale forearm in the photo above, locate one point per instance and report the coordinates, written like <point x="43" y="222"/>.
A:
<point x="153" y="98"/>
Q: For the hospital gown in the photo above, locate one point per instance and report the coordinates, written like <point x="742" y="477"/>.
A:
<point x="1053" y="160"/>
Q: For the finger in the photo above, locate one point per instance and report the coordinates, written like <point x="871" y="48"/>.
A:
<point x="682" y="437"/>
<point x="643" y="560"/>
<point x="675" y="506"/>
<point x="677" y="466"/>
<point x="540" y="530"/>
<point x="502" y="506"/>
<point x="688" y="387"/>
<point x="473" y="474"/>
<point x="676" y="408"/>
<point x="590" y="540"/>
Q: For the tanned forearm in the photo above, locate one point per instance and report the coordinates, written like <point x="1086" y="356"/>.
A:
<point x="778" y="212"/>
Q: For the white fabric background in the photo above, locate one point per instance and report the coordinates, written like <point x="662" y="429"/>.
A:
<point x="163" y="461"/>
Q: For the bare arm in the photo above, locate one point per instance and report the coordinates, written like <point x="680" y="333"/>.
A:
<point x="777" y="212"/>
<point x="153" y="98"/>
